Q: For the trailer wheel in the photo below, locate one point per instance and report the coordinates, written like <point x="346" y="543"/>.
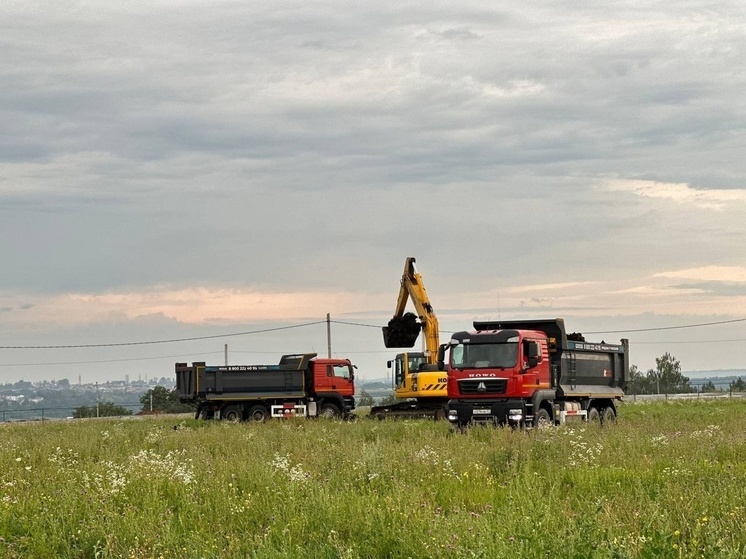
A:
<point x="259" y="413"/>
<point x="593" y="415"/>
<point x="329" y="411"/>
<point x="542" y="419"/>
<point x="232" y="413"/>
<point x="608" y="415"/>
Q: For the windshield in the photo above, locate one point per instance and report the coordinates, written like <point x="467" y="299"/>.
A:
<point x="416" y="362"/>
<point x="483" y="356"/>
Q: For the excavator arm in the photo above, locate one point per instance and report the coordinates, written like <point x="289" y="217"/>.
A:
<point x="404" y="328"/>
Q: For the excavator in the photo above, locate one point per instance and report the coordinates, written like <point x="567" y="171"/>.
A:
<point x="418" y="384"/>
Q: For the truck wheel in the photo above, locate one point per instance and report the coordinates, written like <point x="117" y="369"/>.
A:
<point x="258" y="413"/>
<point x="231" y="413"/>
<point x="593" y="415"/>
<point x="329" y="411"/>
<point x="542" y="419"/>
<point x="608" y="415"/>
<point x="440" y="414"/>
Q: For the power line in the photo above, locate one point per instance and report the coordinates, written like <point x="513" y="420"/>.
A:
<point x="354" y="324"/>
<point x="690" y="342"/>
<point x="596" y="332"/>
<point x="167" y="341"/>
<point x="670" y="327"/>
<point x="102" y="360"/>
<point x="346" y="323"/>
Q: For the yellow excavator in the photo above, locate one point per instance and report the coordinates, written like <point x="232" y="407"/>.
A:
<point x="418" y="384"/>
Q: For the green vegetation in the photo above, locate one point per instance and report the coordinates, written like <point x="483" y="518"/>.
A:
<point x="162" y="400"/>
<point x="104" y="409"/>
<point x="666" y="378"/>
<point x="666" y="481"/>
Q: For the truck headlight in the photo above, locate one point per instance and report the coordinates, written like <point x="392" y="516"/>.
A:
<point x="515" y="414"/>
<point x="452" y="415"/>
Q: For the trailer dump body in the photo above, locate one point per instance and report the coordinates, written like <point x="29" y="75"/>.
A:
<point x="592" y="369"/>
<point x="211" y="381"/>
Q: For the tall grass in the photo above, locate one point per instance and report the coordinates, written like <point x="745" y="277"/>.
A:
<point x="666" y="481"/>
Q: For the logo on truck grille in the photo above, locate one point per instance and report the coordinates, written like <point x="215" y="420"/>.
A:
<point x="483" y="386"/>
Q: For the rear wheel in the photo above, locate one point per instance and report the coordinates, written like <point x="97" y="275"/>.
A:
<point x="232" y="413"/>
<point x="593" y="415"/>
<point x="259" y="413"/>
<point x="330" y="411"/>
<point x="608" y="415"/>
<point x="542" y="419"/>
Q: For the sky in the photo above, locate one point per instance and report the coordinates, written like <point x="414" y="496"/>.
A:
<point x="179" y="176"/>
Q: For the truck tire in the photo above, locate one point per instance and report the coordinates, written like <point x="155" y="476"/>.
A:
<point x="259" y="413"/>
<point x="232" y="413"/>
<point x="593" y="415"/>
<point x="608" y="415"/>
<point x="329" y="411"/>
<point x="440" y="414"/>
<point x="542" y="419"/>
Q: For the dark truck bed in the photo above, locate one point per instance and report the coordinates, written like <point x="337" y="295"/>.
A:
<point x="215" y="382"/>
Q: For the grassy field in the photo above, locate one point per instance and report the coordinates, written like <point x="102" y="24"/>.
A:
<point x="669" y="480"/>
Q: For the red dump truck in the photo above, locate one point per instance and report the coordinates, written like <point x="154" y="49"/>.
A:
<point x="531" y="373"/>
<point x="300" y="385"/>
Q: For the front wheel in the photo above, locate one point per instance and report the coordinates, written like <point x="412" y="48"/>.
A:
<point x="542" y="419"/>
<point x="330" y="411"/>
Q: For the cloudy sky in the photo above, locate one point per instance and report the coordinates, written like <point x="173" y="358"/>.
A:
<point x="173" y="170"/>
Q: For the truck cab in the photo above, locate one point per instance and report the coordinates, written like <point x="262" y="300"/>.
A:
<point x="498" y="363"/>
<point x="333" y="375"/>
<point x="516" y="372"/>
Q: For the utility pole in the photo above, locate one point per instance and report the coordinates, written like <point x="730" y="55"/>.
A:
<point x="226" y="355"/>
<point x="328" y="336"/>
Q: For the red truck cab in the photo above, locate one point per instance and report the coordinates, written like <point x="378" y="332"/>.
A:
<point x="509" y="363"/>
<point x="531" y="371"/>
<point x="333" y="375"/>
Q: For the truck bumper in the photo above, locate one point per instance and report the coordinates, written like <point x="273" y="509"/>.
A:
<point x="500" y="412"/>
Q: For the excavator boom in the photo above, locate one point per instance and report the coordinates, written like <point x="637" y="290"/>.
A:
<point x="404" y="328"/>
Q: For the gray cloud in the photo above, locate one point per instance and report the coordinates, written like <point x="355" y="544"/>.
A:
<point x="312" y="147"/>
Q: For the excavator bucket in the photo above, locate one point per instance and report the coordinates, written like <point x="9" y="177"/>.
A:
<point x="402" y="331"/>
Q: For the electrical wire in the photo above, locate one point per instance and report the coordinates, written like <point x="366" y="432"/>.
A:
<point x="104" y="360"/>
<point x="167" y="341"/>
<point x="670" y="327"/>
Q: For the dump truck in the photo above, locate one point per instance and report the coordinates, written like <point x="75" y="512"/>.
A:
<point x="420" y="388"/>
<point x="531" y="373"/>
<point x="300" y="385"/>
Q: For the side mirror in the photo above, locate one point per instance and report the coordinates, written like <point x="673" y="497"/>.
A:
<point x="388" y="363"/>
<point x="442" y="357"/>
